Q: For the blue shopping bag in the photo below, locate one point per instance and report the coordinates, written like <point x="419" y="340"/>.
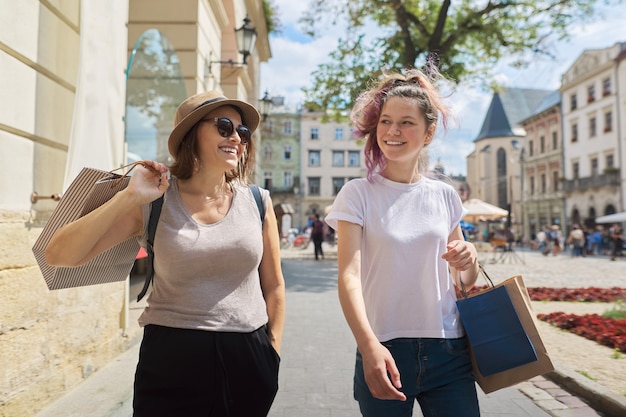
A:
<point x="495" y="333"/>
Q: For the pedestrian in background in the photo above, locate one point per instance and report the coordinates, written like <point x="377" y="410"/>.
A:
<point x="576" y="239"/>
<point x="401" y="251"/>
<point x="317" y="236"/>
<point x="617" y="242"/>
<point x="214" y="320"/>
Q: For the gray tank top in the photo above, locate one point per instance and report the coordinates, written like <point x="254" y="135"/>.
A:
<point x="206" y="276"/>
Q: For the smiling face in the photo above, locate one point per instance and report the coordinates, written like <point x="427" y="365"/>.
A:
<point x="402" y="133"/>
<point x="216" y="151"/>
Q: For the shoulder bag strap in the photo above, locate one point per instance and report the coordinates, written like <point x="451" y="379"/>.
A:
<point x="155" y="212"/>
<point x="259" y="201"/>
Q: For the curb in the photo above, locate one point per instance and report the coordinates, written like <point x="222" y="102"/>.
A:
<point x="597" y="396"/>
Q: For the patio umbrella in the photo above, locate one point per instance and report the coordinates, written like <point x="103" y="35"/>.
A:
<point x="480" y="210"/>
<point x="612" y="218"/>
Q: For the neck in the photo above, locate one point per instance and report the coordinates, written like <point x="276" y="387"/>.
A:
<point x="405" y="176"/>
<point x="210" y="187"/>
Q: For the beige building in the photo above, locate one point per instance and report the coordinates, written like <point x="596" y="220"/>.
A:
<point x="494" y="168"/>
<point x="329" y="159"/>
<point x="543" y="200"/>
<point x="279" y="164"/>
<point x="83" y="81"/>
<point x="594" y="117"/>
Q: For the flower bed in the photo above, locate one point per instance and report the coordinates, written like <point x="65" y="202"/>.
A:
<point x="590" y="294"/>
<point x="606" y="331"/>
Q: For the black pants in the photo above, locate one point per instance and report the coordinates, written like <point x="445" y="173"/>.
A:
<point x="195" y="373"/>
<point x="317" y="243"/>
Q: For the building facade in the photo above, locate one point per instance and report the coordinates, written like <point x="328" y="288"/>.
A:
<point x="279" y="162"/>
<point x="494" y="168"/>
<point x="594" y="114"/>
<point x="329" y="159"/>
<point x="75" y="98"/>
<point x="543" y="200"/>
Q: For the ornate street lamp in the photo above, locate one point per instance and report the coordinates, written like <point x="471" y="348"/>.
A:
<point x="245" y="37"/>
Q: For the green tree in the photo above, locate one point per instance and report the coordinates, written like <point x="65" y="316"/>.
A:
<point x="467" y="38"/>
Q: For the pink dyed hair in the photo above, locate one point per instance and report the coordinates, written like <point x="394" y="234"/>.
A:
<point x="413" y="85"/>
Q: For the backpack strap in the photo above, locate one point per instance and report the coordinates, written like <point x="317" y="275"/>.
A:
<point x="259" y="201"/>
<point x="155" y="212"/>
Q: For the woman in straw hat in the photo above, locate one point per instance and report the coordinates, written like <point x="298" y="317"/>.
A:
<point x="214" y="319"/>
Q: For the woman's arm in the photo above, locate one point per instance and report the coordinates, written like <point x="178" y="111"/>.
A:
<point x="272" y="281"/>
<point x="110" y="224"/>
<point x="462" y="259"/>
<point x="377" y="360"/>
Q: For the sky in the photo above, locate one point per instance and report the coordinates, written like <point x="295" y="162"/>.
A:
<point x="295" y="56"/>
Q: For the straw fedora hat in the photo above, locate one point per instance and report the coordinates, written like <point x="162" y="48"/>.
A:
<point x="190" y="111"/>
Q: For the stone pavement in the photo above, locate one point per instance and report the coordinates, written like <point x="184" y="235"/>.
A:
<point x="318" y="350"/>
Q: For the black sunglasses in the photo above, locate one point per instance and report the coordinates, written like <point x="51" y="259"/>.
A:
<point x="225" y="128"/>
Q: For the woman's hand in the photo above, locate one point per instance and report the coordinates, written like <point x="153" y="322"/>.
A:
<point x="461" y="255"/>
<point x="148" y="182"/>
<point x="381" y="373"/>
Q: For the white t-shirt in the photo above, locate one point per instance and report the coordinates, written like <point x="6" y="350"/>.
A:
<point x="407" y="287"/>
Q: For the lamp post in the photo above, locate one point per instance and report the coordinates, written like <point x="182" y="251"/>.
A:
<point x="245" y="37"/>
<point x="265" y="105"/>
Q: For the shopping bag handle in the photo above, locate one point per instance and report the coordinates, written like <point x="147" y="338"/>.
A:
<point x="482" y="271"/>
<point x="130" y="168"/>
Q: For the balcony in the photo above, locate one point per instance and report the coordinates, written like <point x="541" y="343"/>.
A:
<point x="608" y="179"/>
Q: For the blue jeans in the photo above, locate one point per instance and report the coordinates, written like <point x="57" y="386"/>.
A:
<point x="435" y="372"/>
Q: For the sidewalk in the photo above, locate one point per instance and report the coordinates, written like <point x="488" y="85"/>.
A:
<point x="318" y="358"/>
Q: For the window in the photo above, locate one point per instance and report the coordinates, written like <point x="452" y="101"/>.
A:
<point x="532" y="185"/>
<point x="314" y="185"/>
<point x="575" y="170"/>
<point x="267" y="180"/>
<point x="338" y="133"/>
<point x="575" y="132"/>
<point x="555" y="181"/>
<point x="591" y="94"/>
<point x="543" y="183"/>
<point x="314" y="158"/>
<point x="592" y="127"/>
<point x="287" y="179"/>
<point x="287" y="152"/>
<point x="608" y="121"/>
<point x="315" y="134"/>
<point x="594" y="167"/>
<point x="573" y="102"/>
<point x="287" y="127"/>
<point x="337" y="184"/>
<point x="338" y="158"/>
<point x="606" y="87"/>
<point x="555" y="141"/>
<point x="610" y="161"/>
<point x="530" y="148"/>
<point x="354" y="158"/>
<point x="267" y="152"/>
<point x="542" y="144"/>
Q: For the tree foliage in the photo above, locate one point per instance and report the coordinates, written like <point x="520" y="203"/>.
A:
<point x="467" y="37"/>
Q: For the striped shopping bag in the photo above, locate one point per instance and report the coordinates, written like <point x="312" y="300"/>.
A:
<point x="89" y="190"/>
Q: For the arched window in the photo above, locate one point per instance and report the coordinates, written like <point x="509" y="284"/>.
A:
<point x="502" y="178"/>
<point x="154" y="89"/>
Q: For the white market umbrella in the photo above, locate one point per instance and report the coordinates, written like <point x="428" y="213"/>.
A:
<point x="612" y="218"/>
<point x="480" y="210"/>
